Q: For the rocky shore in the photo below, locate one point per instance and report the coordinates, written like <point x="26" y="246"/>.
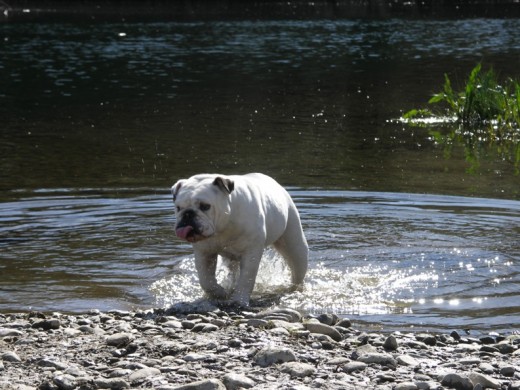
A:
<point x="215" y="349"/>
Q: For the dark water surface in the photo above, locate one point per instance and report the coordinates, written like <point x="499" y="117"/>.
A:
<point x="98" y="120"/>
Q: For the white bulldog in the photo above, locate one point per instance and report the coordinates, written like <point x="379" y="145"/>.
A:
<point x="237" y="217"/>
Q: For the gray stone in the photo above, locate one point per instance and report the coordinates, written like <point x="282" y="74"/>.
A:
<point x="52" y="363"/>
<point x="279" y="331"/>
<point x="8" y="332"/>
<point x="52" y="323"/>
<point x="234" y="381"/>
<point x="208" y="384"/>
<point x="120" y="372"/>
<point x="469" y="361"/>
<point x="337" y="361"/>
<point x="505" y="348"/>
<point x="486" y="368"/>
<point x="235" y="343"/>
<point x="65" y="382"/>
<point x="287" y="314"/>
<point x="273" y="355"/>
<point x="327" y="319"/>
<point x="290" y="326"/>
<point x="344" y="323"/>
<point x="323" y="329"/>
<point x="427" y="339"/>
<point x="383" y="359"/>
<point x="111" y="383"/>
<point x="204" y="327"/>
<point x="457" y="381"/>
<point x="407" y="360"/>
<point x="71" y="332"/>
<point x="406" y="386"/>
<point x="508" y="371"/>
<point x="354" y="367"/>
<point x="172" y="324"/>
<point x="428" y="385"/>
<point x="390" y="343"/>
<point x="257" y="322"/>
<point x="119" y="339"/>
<point x="484" y="380"/>
<point x="514" y="385"/>
<point x="194" y="357"/>
<point x="297" y="369"/>
<point x="143" y="373"/>
<point x="11" y="356"/>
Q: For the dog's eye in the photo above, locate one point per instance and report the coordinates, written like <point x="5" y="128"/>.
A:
<point x="204" y="207"/>
<point x="178" y="209"/>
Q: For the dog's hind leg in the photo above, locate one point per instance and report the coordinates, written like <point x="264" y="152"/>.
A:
<point x="292" y="245"/>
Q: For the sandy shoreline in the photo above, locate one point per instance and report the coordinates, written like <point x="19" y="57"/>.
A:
<point x="272" y="349"/>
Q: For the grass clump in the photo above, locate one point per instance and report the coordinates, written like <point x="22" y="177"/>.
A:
<point x="482" y="101"/>
<point x="486" y="111"/>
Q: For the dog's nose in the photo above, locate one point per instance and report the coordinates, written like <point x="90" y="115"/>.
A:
<point x="188" y="214"/>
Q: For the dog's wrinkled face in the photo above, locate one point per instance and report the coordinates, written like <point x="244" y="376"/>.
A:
<point x="201" y="204"/>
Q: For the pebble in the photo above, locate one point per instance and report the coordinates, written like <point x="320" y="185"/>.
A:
<point x="119" y="339"/>
<point x="6" y="332"/>
<point x="234" y="381"/>
<point x="210" y="384"/>
<point x="484" y="380"/>
<point x="47" y="324"/>
<point x="270" y="355"/>
<point x="111" y="383"/>
<point x="65" y="382"/>
<point x="457" y="381"/>
<point x="390" y="343"/>
<point x="407" y="360"/>
<point x="297" y="369"/>
<point x="406" y="386"/>
<point x="213" y="349"/>
<point x="383" y="359"/>
<point x="354" y="366"/>
<point x="11" y="356"/>
<point x="323" y="329"/>
<point x="143" y="373"/>
<point x="508" y="371"/>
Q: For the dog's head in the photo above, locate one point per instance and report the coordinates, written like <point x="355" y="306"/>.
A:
<point x="202" y="204"/>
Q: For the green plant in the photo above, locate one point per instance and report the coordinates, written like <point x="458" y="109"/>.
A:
<point x="487" y="113"/>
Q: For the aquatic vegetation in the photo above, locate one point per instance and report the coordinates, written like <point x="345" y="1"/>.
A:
<point x="487" y="114"/>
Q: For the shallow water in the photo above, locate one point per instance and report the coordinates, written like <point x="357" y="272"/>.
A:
<point x="393" y="258"/>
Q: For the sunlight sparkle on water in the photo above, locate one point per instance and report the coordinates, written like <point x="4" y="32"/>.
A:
<point x="363" y="290"/>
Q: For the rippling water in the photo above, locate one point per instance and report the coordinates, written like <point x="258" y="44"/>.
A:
<point x="396" y="259"/>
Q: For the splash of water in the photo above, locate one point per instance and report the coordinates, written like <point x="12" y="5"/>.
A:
<point x="365" y="290"/>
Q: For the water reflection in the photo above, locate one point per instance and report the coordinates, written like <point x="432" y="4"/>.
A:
<point x="305" y="101"/>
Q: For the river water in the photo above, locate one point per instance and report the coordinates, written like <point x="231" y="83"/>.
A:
<point x="99" y="120"/>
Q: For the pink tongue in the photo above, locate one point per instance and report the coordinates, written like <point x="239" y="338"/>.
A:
<point x="183" y="232"/>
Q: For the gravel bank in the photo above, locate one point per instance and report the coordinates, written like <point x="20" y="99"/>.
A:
<point x="272" y="349"/>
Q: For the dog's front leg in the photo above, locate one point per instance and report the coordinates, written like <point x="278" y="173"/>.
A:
<point x="249" y="264"/>
<point x="206" y="265"/>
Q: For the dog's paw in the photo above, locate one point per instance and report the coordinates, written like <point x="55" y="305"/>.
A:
<point x="231" y="305"/>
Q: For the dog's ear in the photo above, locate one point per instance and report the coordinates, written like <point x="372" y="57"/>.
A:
<point x="176" y="188"/>
<point x="226" y="185"/>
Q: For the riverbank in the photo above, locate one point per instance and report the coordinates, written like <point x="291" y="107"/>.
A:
<point x="212" y="349"/>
